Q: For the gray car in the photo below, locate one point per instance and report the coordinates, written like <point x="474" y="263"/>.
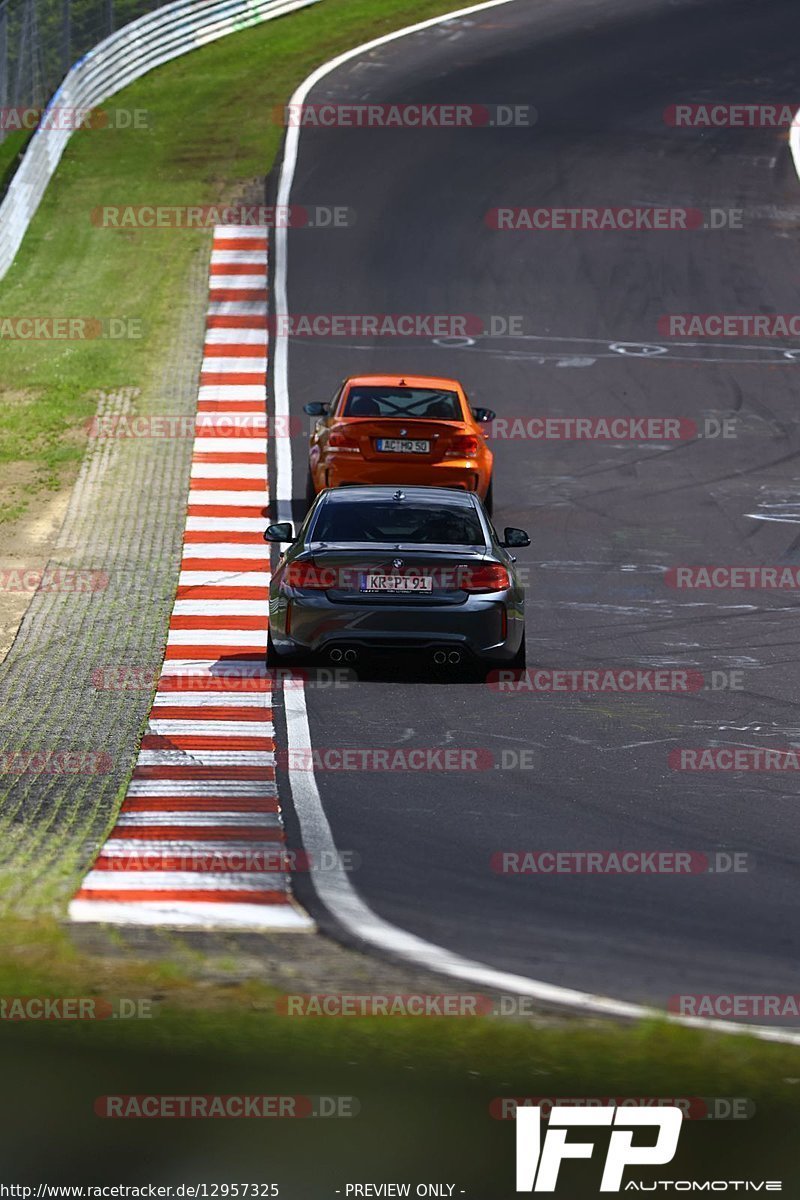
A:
<point x="396" y="569"/>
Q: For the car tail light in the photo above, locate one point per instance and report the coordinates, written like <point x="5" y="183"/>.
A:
<point x="462" y="446"/>
<point x="306" y="575"/>
<point x="339" y="440"/>
<point x="488" y="577"/>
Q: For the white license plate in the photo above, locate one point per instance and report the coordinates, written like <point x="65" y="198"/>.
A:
<point x="396" y="583"/>
<point x="404" y="445"/>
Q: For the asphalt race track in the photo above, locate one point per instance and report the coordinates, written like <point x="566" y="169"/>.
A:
<point x="607" y="519"/>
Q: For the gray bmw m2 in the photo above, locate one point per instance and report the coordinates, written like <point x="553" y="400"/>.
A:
<point x="395" y="570"/>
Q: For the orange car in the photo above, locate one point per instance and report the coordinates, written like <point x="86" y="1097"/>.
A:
<point x="393" y="429"/>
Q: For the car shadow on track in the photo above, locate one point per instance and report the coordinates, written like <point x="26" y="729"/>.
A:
<point x="410" y="669"/>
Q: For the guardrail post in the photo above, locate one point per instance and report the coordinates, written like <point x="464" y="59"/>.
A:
<point x="3" y="64"/>
<point x="66" y="36"/>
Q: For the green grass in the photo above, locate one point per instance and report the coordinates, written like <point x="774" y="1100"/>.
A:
<point x="209" y="135"/>
<point x="11" y="147"/>
<point x="424" y="1086"/>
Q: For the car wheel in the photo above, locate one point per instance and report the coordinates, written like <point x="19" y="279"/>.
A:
<point x="488" y="503"/>
<point x="311" y="491"/>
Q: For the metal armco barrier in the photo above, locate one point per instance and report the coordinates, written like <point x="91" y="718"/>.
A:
<point x="114" y="63"/>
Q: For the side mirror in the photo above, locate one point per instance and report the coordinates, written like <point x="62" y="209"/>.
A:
<point x="318" y="408"/>
<point x="282" y="532"/>
<point x="515" y="537"/>
<point x="484" y="414"/>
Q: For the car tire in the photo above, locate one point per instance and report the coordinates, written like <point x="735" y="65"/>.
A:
<point x="273" y="658"/>
<point x="311" y="491"/>
<point x="517" y="663"/>
<point x="520" y="659"/>
<point x="488" y="503"/>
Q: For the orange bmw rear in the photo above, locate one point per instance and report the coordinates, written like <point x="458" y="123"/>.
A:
<point x="400" y="429"/>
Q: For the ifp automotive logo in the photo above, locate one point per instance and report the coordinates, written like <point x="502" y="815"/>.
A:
<point x="538" y="1162"/>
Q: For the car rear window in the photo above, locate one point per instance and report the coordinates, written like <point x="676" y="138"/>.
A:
<point x="397" y="521"/>
<point x="373" y="401"/>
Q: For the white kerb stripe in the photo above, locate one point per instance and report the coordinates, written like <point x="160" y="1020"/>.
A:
<point x="219" y="608"/>
<point x="235" y="365"/>
<point x="203" y="787"/>
<point x="214" y="699"/>
<point x="240" y="231"/>
<point x="232" y="391"/>
<point x="206" y="470"/>
<point x="205" y="758"/>
<point x="248" y="499"/>
<point x="247" y="440"/>
<point x="190" y="881"/>
<point x="256" y="281"/>
<point x="195" y="725"/>
<point x="201" y="669"/>
<point x="236" y="337"/>
<point x="193" y="914"/>
<point x="211" y="525"/>
<point x="224" y="550"/>
<point x="146" y="851"/>
<point x="256" y="257"/>
<point x="248" y="820"/>
<point x="237" y="308"/>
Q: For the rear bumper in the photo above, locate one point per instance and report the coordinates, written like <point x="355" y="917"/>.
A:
<point x="467" y="474"/>
<point x="475" y="628"/>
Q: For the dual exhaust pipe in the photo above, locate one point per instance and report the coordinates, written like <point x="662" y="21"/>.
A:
<point x="451" y="657"/>
<point x="338" y="655"/>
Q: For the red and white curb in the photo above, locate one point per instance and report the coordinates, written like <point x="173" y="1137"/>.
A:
<point x="199" y="834"/>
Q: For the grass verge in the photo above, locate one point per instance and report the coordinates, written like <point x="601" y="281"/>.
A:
<point x="206" y="134"/>
<point x="426" y="1091"/>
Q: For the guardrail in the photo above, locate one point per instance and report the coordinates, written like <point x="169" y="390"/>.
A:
<point x="126" y="55"/>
